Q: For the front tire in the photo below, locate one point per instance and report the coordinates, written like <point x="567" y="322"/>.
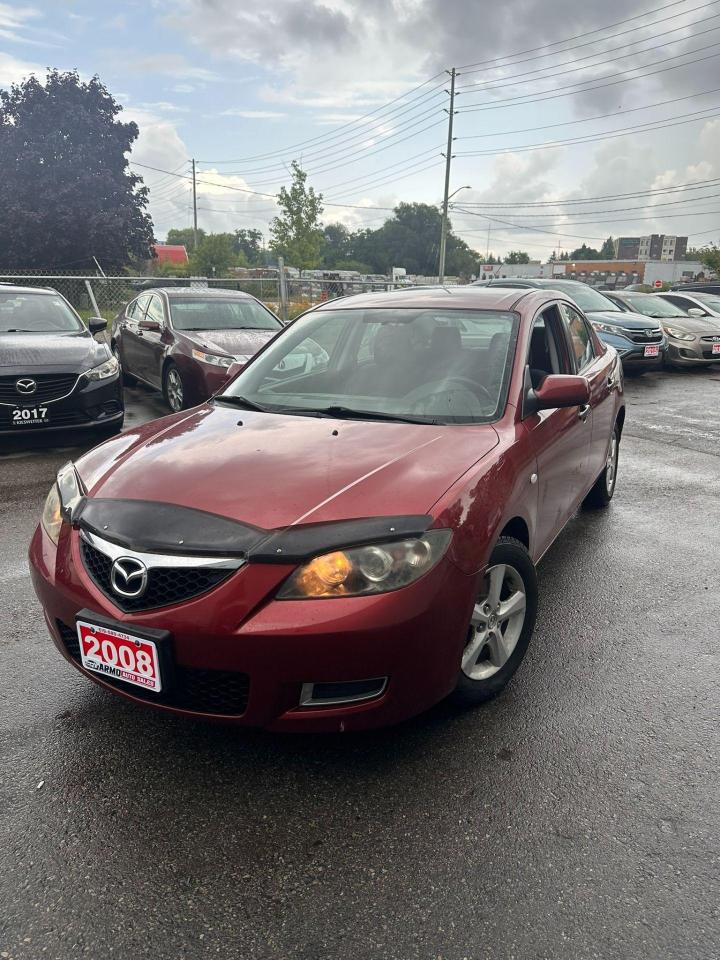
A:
<point x="174" y="389"/>
<point x="602" y="491"/>
<point x="127" y="379"/>
<point x="501" y="625"/>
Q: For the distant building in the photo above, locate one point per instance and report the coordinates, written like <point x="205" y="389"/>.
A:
<point x="170" y="253"/>
<point x="656" y="246"/>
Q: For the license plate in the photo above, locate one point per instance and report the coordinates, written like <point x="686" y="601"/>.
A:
<point x="652" y="350"/>
<point x="119" y="655"/>
<point x="716" y="349"/>
<point x="30" y="417"/>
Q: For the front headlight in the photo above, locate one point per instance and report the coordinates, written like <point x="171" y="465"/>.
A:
<point x="360" y="571"/>
<point x="109" y="368"/>
<point x="62" y="499"/>
<point x="214" y="359"/>
<point x="609" y="328"/>
<point x="52" y="518"/>
<point x="678" y="334"/>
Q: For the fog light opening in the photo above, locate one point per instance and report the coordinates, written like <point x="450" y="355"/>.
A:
<point x="341" y="692"/>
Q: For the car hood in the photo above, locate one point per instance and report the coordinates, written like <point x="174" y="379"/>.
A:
<point x="631" y="321"/>
<point x="74" y="352"/>
<point x="273" y="471"/>
<point x="703" y="326"/>
<point x="234" y="343"/>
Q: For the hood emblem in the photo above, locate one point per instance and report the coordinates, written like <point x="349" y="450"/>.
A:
<point x="26" y="386"/>
<point x="129" y="577"/>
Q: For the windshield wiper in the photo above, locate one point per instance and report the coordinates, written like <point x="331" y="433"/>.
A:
<point x="20" y="330"/>
<point x="348" y="413"/>
<point x="241" y="402"/>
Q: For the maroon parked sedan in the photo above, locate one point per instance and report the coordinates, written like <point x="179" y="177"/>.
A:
<point x="339" y="548"/>
<point x="189" y="342"/>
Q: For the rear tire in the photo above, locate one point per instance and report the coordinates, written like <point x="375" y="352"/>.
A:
<point x="501" y="626"/>
<point x="174" y="389"/>
<point x="602" y="492"/>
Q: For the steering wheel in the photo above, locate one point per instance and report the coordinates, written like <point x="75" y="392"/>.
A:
<point x="464" y="383"/>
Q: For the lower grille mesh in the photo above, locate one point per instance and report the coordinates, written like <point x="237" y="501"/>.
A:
<point x="201" y="691"/>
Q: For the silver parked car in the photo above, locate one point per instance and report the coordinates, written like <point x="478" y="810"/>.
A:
<point x="693" y="334"/>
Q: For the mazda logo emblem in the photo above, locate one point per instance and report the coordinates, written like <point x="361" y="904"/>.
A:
<point x="26" y="386"/>
<point x="129" y="577"/>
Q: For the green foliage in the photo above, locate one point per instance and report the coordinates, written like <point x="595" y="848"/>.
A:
<point x="410" y="239"/>
<point x="295" y="233"/>
<point x="709" y="256"/>
<point x="184" y="237"/>
<point x="517" y="256"/>
<point x="585" y="253"/>
<point x="66" y="193"/>
<point x="248" y="245"/>
<point x="607" y="250"/>
<point x="214" y="255"/>
<point x="167" y="269"/>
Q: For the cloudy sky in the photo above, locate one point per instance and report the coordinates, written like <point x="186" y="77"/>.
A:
<point x="557" y="103"/>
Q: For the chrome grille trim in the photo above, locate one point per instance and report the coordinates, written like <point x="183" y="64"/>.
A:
<point x="114" y="551"/>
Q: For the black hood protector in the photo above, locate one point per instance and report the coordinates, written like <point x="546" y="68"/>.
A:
<point x="151" y="527"/>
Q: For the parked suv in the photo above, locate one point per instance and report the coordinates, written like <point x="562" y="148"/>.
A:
<point x="639" y="341"/>
<point x="189" y="342"/>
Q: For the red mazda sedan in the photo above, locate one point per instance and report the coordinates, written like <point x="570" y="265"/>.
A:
<point x="341" y="548"/>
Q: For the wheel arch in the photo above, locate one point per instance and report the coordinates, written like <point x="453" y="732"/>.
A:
<point x="517" y="528"/>
<point x="620" y="419"/>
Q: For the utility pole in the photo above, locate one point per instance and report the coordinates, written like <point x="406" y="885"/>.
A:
<point x="448" y="159"/>
<point x="195" y="238"/>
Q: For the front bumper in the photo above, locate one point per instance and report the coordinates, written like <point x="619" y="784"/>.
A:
<point x="413" y="637"/>
<point x="690" y="353"/>
<point x="95" y="405"/>
<point x="632" y="354"/>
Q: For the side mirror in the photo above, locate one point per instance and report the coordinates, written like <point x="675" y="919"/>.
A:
<point x="695" y="312"/>
<point x="96" y="325"/>
<point x="557" y="390"/>
<point x="150" y="325"/>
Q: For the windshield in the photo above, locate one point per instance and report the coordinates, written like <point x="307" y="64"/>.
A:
<point x="585" y="297"/>
<point x="36" y="313"/>
<point x="218" y="313"/>
<point x="652" y="306"/>
<point x="711" y="299"/>
<point x="426" y="365"/>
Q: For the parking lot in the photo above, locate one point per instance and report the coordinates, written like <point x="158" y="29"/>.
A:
<point x="574" y="817"/>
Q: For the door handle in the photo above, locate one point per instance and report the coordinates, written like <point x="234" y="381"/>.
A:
<point x="611" y="382"/>
<point x="583" y="412"/>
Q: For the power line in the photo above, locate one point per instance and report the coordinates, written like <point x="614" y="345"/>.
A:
<point x="522" y="100"/>
<point x="293" y="147"/>
<point x="696" y="185"/>
<point x="609" y="135"/>
<point x="600" y="116"/>
<point x="601" y="53"/>
<point x="555" y="43"/>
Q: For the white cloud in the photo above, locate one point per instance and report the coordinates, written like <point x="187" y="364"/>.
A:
<point x="13" y="70"/>
<point x="173" y="65"/>
<point x="253" y="114"/>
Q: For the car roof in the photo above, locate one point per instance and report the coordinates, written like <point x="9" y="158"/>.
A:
<point x="204" y="292"/>
<point x="13" y="288"/>
<point x="465" y="297"/>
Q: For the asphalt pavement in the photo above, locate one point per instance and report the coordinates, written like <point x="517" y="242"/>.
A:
<point x="574" y="817"/>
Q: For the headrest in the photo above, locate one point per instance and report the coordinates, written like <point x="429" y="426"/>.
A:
<point x="446" y="340"/>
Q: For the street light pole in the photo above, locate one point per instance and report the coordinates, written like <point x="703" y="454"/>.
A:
<point x="448" y="160"/>
<point x="443" y="234"/>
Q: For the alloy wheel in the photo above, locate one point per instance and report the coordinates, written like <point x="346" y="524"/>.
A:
<point x="496" y="623"/>
<point x="174" y="390"/>
<point x="611" y="465"/>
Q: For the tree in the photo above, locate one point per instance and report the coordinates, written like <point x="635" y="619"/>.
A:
<point x="585" y="253"/>
<point x="607" y="250"/>
<point x="517" y="256"/>
<point x="214" y="254"/>
<point x="710" y="257"/>
<point x="249" y="244"/>
<point x="336" y="244"/>
<point x="66" y="193"/>
<point x="184" y="237"/>
<point x="295" y="233"/>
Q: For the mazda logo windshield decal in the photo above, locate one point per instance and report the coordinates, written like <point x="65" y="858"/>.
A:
<point x="26" y="386"/>
<point x="129" y="577"/>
